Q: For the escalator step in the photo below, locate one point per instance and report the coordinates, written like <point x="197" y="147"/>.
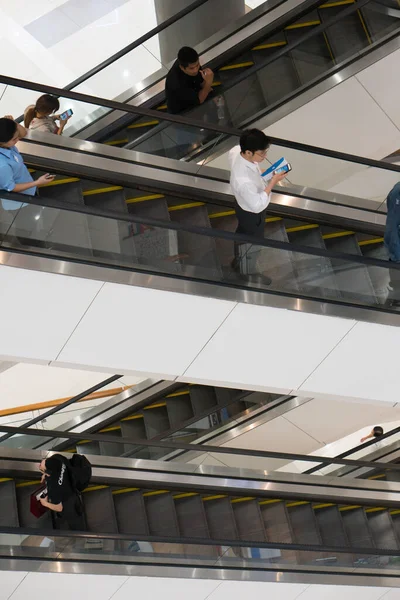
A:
<point x="356" y="527"/>
<point x="99" y="510"/>
<point x="203" y="398"/>
<point x="382" y="529"/>
<point x="191" y="517"/>
<point x="249" y="522"/>
<point x="220" y="518"/>
<point x="303" y="524"/>
<point x="276" y="522"/>
<point x="312" y="57"/>
<point x="350" y="33"/>
<point x="161" y="515"/>
<point x="179" y="410"/>
<point x="8" y="502"/>
<point x="330" y="526"/>
<point x="131" y="513"/>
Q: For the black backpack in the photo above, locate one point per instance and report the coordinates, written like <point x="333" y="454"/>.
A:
<point x="81" y="472"/>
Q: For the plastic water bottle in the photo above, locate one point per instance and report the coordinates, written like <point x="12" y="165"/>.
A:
<point x="220" y="108"/>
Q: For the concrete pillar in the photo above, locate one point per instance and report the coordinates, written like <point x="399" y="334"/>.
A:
<point x="197" y="26"/>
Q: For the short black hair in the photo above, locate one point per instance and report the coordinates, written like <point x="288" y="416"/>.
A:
<point x="377" y="431"/>
<point x="187" y="56"/>
<point x="8" y="128"/>
<point x="254" y="140"/>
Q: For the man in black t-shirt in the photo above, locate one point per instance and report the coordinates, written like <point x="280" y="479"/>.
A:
<point x="61" y="496"/>
<point x="187" y="84"/>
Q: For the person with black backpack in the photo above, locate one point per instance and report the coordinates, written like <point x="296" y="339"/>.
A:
<point x="65" y="480"/>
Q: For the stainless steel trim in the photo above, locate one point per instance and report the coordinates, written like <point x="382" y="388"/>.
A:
<point x="268" y="574"/>
<point x="247" y="422"/>
<point x="155" y="83"/>
<point x="182" y="286"/>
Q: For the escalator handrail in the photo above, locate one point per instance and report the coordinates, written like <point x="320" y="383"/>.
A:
<point x="201" y="231"/>
<point x="53" y="433"/>
<point x="194" y="123"/>
<point x="59" y="407"/>
<point x="190" y="540"/>
<point x="286" y="50"/>
<point x="356" y="449"/>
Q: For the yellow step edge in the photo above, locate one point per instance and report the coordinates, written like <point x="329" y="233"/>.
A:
<point x="132" y="417"/>
<point x="62" y="181"/>
<point x="300" y="25"/>
<point x="3" y="479"/>
<point x="156" y="493"/>
<point x="246" y="499"/>
<point x="298" y="503"/>
<point x="216" y="83"/>
<point x="157" y="405"/>
<point x="343" y="508"/>
<point x="377" y="476"/>
<point x="263" y="502"/>
<point x="326" y="505"/>
<point x="95" y="488"/>
<point x="248" y="63"/>
<point x="302" y="227"/>
<point x="378" y="240"/>
<point x="162" y="107"/>
<point x="111" y="428"/>
<point x="338" y="3"/>
<point x="105" y="190"/>
<point x="181" y="393"/>
<point x="116" y="142"/>
<point x="270" y="45"/>
<point x="184" y="206"/>
<point x="329" y="236"/>
<point x="186" y="495"/>
<point x="124" y="491"/>
<point x="70" y="450"/>
<point x="31" y="170"/>
<point x="227" y="213"/>
<point x="216" y="497"/>
<point x="144" y="198"/>
<point x="273" y="219"/>
<point x="83" y="442"/>
<point x="375" y="509"/>
<point x="145" y="124"/>
<point x="396" y="511"/>
<point x="28" y="483"/>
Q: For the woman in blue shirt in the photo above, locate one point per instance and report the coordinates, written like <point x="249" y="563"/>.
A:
<point x="14" y="176"/>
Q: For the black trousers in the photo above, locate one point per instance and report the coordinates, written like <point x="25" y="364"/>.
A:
<point x="249" y="223"/>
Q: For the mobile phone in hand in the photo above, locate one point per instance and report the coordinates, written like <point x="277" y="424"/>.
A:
<point x="65" y="115"/>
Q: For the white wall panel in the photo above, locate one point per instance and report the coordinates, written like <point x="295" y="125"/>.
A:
<point x="9" y="581"/>
<point x="363" y="365"/>
<point x="38" y="312"/>
<point x="148" y="588"/>
<point x="64" y="586"/>
<point x="261" y="347"/>
<point x="382" y="83"/>
<point x="132" y="329"/>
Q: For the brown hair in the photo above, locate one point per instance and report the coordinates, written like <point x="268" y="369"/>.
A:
<point x="44" y="104"/>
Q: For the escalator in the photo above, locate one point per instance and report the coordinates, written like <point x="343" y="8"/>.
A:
<point x="183" y="413"/>
<point x="286" y="59"/>
<point x="220" y="506"/>
<point x="154" y="219"/>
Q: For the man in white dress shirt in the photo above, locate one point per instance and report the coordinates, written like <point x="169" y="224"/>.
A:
<point x="251" y="193"/>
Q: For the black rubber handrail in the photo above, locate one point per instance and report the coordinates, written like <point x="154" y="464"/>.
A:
<point x="63" y="405"/>
<point x="201" y="231"/>
<point x="55" y="434"/>
<point x="356" y="449"/>
<point x="78" y="535"/>
<point x="194" y="123"/>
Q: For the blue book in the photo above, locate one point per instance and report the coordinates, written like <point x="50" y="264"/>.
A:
<point x="267" y="175"/>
